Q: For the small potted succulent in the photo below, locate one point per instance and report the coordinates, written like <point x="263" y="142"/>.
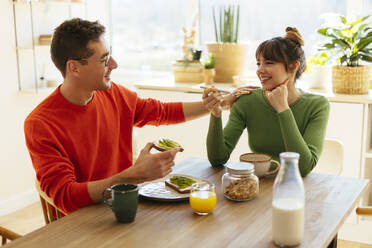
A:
<point x="350" y="42"/>
<point x="209" y="71"/>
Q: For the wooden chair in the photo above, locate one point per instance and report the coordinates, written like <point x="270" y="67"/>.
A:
<point x="331" y="160"/>
<point x="7" y="234"/>
<point x="134" y="145"/>
<point x="364" y="211"/>
<point x="51" y="213"/>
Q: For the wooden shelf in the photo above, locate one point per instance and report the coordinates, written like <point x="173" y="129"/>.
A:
<point x="39" y="90"/>
<point x="31" y="48"/>
<point x="48" y="2"/>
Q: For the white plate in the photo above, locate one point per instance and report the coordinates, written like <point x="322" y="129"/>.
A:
<point x="157" y="190"/>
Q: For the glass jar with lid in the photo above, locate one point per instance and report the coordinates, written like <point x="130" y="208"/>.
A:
<point x="239" y="183"/>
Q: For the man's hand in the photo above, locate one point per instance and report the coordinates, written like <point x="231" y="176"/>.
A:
<point x="212" y="99"/>
<point x="150" y="166"/>
<point x="278" y="97"/>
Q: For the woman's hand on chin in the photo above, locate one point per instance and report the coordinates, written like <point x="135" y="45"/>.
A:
<point x="278" y="97"/>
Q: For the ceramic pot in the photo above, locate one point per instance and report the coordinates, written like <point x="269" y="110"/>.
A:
<point x="209" y="75"/>
<point x="230" y="59"/>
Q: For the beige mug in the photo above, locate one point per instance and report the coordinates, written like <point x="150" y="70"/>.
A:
<point x="262" y="163"/>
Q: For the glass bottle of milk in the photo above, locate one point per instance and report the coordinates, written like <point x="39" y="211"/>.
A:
<point x="288" y="202"/>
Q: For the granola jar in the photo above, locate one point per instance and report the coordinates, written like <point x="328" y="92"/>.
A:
<point x="239" y="183"/>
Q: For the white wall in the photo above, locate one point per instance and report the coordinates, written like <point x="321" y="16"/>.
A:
<point x="16" y="172"/>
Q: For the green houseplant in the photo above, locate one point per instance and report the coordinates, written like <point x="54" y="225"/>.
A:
<point x="230" y="55"/>
<point x="209" y="71"/>
<point x="349" y="42"/>
<point x="210" y="61"/>
<point x="227" y="29"/>
<point x="318" y="74"/>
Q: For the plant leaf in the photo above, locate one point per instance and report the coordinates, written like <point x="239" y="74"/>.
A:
<point x="221" y="24"/>
<point x="215" y="23"/>
<point x="322" y="31"/>
<point x="363" y="42"/>
<point x="343" y="19"/>
<point x="341" y="43"/>
<point x="367" y="58"/>
<point x="237" y="25"/>
<point x="355" y="57"/>
<point x="328" y="45"/>
<point x="358" y="32"/>
<point x="358" y="21"/>
<point x="343" y="59"/>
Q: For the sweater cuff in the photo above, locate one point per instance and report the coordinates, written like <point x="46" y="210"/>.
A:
<point x="215" y="121"/>
<point x="80" y="195"/>
<point x="286" y="116"/>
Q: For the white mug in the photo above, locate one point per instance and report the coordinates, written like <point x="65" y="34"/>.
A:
<point x="261" y="162"/>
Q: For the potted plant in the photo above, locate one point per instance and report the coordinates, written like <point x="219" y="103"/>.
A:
<point x="349" y="42"/>
<point x="318" y="75"/>
<point x="209" y="71"/>
<point x="229" y="54"/>
<point x="189" y="69"/>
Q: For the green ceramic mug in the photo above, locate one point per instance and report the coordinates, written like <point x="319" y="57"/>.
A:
<point x="124" y="201"/>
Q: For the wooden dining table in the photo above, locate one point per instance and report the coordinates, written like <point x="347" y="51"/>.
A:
<point x="329" y="201"/>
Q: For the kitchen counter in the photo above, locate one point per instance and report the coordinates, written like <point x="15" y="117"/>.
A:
<point x="168" y="84"/>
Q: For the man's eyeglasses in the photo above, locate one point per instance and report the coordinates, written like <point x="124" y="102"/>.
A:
<point x="104" y="60"/>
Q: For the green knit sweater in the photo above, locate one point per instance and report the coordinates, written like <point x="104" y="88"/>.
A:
<point x="301" y="128"/>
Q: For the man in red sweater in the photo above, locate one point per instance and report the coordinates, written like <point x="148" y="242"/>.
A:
<point x="80" y="137"/>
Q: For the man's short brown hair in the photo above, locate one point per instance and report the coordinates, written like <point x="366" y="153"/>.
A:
<point x="70" y="40"/>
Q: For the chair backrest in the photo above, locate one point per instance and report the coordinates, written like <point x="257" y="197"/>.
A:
<point x="7" y="234"/>
<point x="331" y="160"/>
<point x="364" y="211"/>
<point x="51" y="213"/>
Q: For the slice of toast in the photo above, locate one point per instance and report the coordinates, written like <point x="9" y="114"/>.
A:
<point x="177" y="188"/>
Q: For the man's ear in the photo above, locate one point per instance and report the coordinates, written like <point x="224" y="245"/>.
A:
<point x="72" y="68"/>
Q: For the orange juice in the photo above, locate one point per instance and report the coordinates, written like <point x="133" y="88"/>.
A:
<point x="203" y="202"/>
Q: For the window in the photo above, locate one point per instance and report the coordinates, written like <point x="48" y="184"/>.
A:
<point x="147" y="35"/>
<point x="368" y="7"/>
<point x="262" y="20"/>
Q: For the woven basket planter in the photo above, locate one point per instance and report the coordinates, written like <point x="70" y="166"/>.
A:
<point x="230" y="58"/>
<point x="351" y="80"/>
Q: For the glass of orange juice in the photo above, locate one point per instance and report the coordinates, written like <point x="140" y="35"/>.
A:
<point x="203" y="198"/>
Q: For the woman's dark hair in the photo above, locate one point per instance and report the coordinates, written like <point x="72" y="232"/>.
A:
<point x="285" y="50"/>
<point x="70" y="40"/>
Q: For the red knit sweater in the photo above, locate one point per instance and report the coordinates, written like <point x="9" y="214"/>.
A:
<point x="71" y="145"/>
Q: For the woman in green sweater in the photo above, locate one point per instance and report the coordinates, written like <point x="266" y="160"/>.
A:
<point x="278" y="117"/>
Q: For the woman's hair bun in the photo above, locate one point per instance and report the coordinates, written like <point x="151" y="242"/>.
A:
<point x="293" y="35"/>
